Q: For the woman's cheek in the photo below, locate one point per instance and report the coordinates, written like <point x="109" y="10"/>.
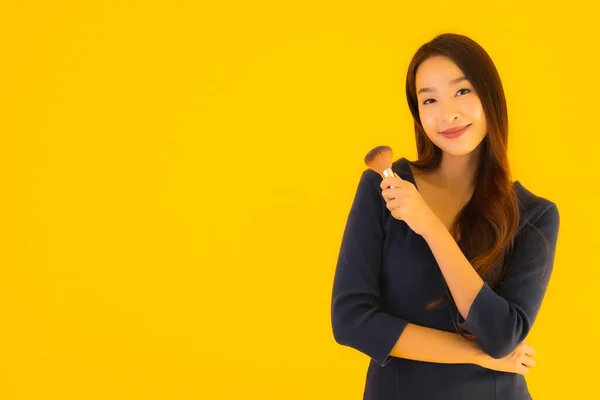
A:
<point x="429" y="122"/>
<point x="473" y="108"/>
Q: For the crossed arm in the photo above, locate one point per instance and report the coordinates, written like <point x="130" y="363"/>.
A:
<point x="500" y="319"/>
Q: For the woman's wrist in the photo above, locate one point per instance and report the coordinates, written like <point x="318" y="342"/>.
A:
<point x="482" y="359"/>
<point x="435" y="228"/>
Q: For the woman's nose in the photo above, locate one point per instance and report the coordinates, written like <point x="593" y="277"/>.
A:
<point x="450" y="113"/>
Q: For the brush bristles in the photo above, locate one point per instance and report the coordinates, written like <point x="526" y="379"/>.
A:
<point x="379" y="159"/>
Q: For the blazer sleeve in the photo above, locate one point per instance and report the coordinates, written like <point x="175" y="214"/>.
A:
<point x="357" y="319"/>
<point x="500" y="319"/>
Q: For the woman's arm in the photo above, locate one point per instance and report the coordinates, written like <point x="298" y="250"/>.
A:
<point x="357" y="319"/>
<point x="431" y="345"/>
<point x="500" y="318"/>
<point x="462" y="279"/>
<point x="421" y="343"/>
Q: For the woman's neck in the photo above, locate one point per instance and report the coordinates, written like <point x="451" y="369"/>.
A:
<point x="457" y="172"/>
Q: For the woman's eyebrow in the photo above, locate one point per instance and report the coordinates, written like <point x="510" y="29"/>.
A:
<point x="430" y="89"/>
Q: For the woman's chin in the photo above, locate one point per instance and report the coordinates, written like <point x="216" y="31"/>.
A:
<point x="460" y="146"/>
<point x="459" y="149"/>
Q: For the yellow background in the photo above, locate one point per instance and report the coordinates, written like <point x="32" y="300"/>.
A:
<point x="176" y="177"/>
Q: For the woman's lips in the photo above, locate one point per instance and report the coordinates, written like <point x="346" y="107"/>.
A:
<point x="455" y="132"/>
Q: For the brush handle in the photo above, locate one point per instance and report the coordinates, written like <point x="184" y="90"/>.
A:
<point x="387" y="173"/>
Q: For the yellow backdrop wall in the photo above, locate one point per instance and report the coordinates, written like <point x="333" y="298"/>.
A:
<point x="176" y="177"/>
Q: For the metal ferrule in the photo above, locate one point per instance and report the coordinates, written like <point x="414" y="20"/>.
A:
<point x="387" y="173"/>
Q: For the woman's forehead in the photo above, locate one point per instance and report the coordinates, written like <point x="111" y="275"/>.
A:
<point x="438" y="71"/>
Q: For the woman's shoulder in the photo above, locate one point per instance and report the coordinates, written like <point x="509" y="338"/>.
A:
<point x="532" y="205"/>
<point x="399" y="166"/>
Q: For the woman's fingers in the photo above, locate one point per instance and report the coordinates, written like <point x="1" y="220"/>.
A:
<point x="521" y="369"/>
<point x="390" y="194"/>
<point x="392" y="204"/>
<point x="392" y="181"/>
<point x="529" y="362"/>
<point x="396" y="192"/>
<point x="527" y="349"/>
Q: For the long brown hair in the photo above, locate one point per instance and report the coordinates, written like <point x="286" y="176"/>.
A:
<point x="487" y="224"/>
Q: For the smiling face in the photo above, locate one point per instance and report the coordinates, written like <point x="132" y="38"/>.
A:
<point x="447" y="100"/>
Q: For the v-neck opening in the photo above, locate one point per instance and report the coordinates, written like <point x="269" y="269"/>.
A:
<point x="408" y="172"/>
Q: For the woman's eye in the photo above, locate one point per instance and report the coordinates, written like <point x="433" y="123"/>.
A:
<point x="461" y="92"/>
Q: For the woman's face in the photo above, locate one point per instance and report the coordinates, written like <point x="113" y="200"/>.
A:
<point x="447" y="100"/>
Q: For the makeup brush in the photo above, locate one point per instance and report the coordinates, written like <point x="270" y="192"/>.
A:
<point x="379" y="159"/>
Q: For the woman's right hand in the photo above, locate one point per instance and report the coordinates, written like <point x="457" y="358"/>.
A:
<point x="517" y="362"/>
